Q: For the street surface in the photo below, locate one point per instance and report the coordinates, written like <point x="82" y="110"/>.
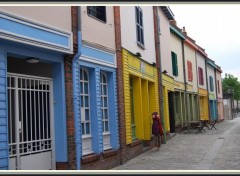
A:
<point x="211" y="150"/>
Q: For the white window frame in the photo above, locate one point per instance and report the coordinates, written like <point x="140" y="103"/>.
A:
<point x="86" y="137"/>
<point x="139" y="25"/>
<point x="106" y="133"/>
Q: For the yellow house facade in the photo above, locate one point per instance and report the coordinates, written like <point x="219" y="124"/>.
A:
<point x="140" y="96"/>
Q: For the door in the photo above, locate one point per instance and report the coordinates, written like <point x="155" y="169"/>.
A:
<point x="30" y="122"/>
<point x="171" y="111"/>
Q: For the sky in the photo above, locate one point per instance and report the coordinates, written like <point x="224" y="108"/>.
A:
<point x="216" y="28"/>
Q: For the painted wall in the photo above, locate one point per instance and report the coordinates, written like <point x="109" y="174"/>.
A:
<point x="129" y="35"/>
<point x="176" y="47"/>
<point x="165" y="44"/>
<point x="55" y="16"/>
<point x="210" y="72"/>
<point x="201" y="63"/>
<point x="104" y="36"/>
<point x="190" y="56"/>
<point x="219" y="78"/>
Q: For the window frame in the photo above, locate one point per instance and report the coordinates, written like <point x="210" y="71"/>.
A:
<point x="103" y="96"/>
<point x="139" y="25"/>
<point x="89" y="9"/>
<point x="82" y="94"/>
<point x="218" y="86"/>
<point x="211" y="83"/>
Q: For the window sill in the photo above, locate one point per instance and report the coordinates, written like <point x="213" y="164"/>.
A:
<point x="109" y="153"/>
<point x="141" y="45"/>
<point x="90" y="158"/>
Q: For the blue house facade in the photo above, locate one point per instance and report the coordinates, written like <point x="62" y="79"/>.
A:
<point x="95" y="90"/>
<point x="32" y="91"/>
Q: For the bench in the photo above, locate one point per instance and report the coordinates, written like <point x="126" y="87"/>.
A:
<point x="212" y="124"/>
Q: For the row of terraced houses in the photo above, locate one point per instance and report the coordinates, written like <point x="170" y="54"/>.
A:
<point x="78" y="84"/>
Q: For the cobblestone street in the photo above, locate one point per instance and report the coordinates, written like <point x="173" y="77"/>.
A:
<point x="211" y="150"/>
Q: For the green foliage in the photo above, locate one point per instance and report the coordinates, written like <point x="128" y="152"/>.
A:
<point x="231" y="82"/>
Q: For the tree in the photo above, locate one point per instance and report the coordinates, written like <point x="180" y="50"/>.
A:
<point x="231" y="82"/>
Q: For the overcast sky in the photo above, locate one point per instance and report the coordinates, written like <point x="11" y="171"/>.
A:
<point x="216" y="28"/>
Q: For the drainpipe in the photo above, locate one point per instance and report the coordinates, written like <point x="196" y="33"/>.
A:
<point x="207" y="88"/>
<point x="160" y="73"/>
<point x="185" y="82"/>
<point x="216" y="104"/>
<point x="75" y="67"/>
<point x="198" y="97"/>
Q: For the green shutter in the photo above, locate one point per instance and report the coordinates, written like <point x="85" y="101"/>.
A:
<point x="174" y="64"/>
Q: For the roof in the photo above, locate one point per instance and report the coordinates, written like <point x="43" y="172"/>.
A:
<point x="167" y="11"/>
<point x="174" y="29"/>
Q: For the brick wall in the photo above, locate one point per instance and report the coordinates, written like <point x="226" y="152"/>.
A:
<point x="71" y="164"/>
<point x="106" y="160"/>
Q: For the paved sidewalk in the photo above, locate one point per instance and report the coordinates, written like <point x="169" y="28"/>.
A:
<point x="212" y="150"/>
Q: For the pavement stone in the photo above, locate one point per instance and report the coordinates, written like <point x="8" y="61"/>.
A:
<point x="211" y="150"/>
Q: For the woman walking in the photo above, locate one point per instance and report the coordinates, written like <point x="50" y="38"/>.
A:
<point x="157" y="129"/>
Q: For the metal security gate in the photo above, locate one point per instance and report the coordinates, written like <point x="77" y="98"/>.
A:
<point x="30" y="122"/>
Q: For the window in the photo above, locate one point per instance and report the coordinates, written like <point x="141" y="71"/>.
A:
<point x="104" y="102"/>
<point x="98" y="12"/>
<point x="200" y="76"/>
<point x="174" y="64"/>
<point x="218" y="86"/>
<point x="190" y="73"/>
<point x="211" y="83"/>
<point x="139" y="23"/>
<point x="85" y="107"/>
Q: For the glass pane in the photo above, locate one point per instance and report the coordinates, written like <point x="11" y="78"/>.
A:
<point x="86" y="101"/>
<point x="106" y="126"/>
<point x="106" y="113"/>
<point x="86" y="88"/>
<point x="103" y="126"/>
<point x="101" y="78"/>
<point x="137" y="14"/>
<point x="81" y="75"/>
<point x="82" y="103"/>
<point x="83" y="129"/>
<point x="87" y="114"/>
<point x="81" y="88"/>
<point x="105" y="102"/>
<point x="104" y="79"/>
<point x="141" y="24"/>
<point x="138" y="33"/>
<point x="88" y="128"/>
<point x="142" y="36"/>
<point x="103" y="114"/>
<point x="85" y="76"/>
<point x="104" y="90"/>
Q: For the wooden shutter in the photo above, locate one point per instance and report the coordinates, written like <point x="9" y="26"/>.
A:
<point x="190" y="75"/>
<point x="174" y="64"/>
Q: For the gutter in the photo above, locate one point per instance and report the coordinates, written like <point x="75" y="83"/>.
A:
<point x="75" y="68"/>
<point x="185" y="82"/>
<point x="160" y="74"/>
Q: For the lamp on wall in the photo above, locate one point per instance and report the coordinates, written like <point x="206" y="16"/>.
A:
<point x="164" y="71"/>
<point x="153" y="64"/>
<point x="32" y="60"/>
<point x="138" y="54"/>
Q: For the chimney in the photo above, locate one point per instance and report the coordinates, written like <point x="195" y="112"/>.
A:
<point x="184" y="31"/>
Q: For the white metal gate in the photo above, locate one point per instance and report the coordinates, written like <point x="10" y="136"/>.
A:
<point x="30" y="122"/>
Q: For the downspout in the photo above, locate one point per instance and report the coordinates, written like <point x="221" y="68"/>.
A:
<point x="185" y="82"/>
<point x="207" y="87"/>
<point x="215" y="75"/>
<point x="198" y="97"/>
<point x="160" y="73"/>
<point x="75" y="66"/>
